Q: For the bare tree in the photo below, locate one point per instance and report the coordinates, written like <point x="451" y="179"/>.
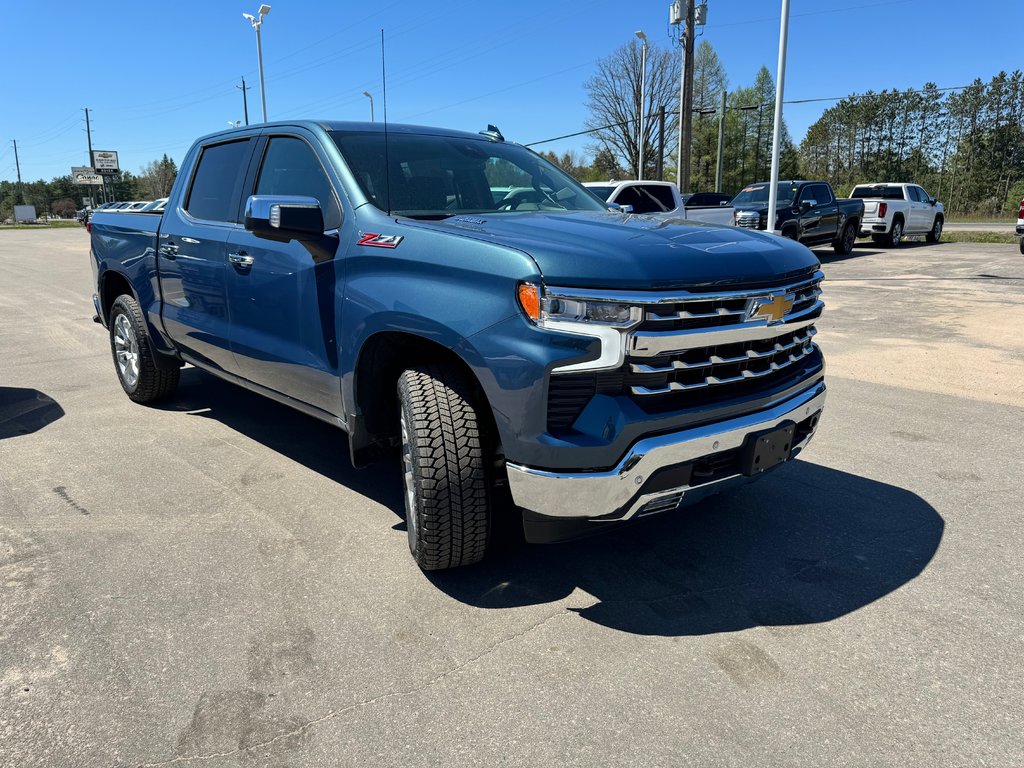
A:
<point x="614" y="103"/>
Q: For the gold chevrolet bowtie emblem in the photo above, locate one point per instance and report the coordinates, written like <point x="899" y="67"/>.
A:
<point x="773" y="309"/>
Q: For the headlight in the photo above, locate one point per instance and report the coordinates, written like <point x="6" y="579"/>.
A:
<point x="562" y="310"/>
<point x="588" y="311"/>
<point x="553" y="307"/>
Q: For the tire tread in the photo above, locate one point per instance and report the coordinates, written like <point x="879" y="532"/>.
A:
<point x="155" y="383"/>
<point x="449" y="467"/>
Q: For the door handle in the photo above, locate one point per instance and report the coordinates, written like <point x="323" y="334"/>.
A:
<point x="169" y="251"/>
<point x="241" y="259"/>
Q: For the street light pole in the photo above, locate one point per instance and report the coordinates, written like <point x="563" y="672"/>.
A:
<point x="369" y="95"/>
<point x="257" y="23"/>
<point x="780" y="84"/>
<point x="643" y="87"/>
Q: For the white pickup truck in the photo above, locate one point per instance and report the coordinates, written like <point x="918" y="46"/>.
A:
<point x="664" y="197"/>
<point x="893" y="211"/>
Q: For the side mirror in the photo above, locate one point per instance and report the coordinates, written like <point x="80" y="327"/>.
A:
<point x="724" y="203"/>
<point x="932" y="200"/>
<point x="805" y="204"/>
<point x="616" y="208"/>
<point x="284" y="217"/>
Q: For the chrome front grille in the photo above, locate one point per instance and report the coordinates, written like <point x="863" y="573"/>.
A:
<point x="701" y="312"/>
<point x="722" y="338"/>
<point x="726" y="365"/>
<point x="748" y="219"/>
<point x="693" y="350"/>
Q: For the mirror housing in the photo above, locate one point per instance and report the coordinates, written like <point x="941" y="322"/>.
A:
<point x="806" y="204"/>
<point x="932" y="200"/>
<point x="284" y="217"/>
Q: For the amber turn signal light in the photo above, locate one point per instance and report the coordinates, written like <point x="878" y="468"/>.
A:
<point x="529" y="300"/>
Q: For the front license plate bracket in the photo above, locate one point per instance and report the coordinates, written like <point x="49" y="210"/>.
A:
<point x="764" y="450"/>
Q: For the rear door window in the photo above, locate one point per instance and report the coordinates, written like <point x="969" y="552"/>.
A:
<point x="217" y="182"/>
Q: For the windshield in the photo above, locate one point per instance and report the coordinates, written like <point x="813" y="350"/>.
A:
<point x="440" y="176"/>
<point x="880" y="191"/>
<point x="757" y="194"/>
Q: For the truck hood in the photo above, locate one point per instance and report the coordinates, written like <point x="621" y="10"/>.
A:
<point x="634" y="252"/>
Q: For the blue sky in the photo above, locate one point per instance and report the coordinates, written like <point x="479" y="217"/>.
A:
<point x="157" y="75"/>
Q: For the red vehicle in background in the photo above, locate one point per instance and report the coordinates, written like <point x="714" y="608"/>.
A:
<point x="1020" y="226"/>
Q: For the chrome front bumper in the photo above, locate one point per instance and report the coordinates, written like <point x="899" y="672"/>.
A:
<point x="619" y="493"/>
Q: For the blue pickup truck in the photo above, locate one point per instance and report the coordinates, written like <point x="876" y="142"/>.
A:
<point x="454" y="300"/>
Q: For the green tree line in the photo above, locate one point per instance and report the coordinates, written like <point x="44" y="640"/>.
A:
<point x="965" y="147"/>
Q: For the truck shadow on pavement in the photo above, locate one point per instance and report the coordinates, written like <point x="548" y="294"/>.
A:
<point x="804" y="545"/>
<point x="24" y="411"/>
<point x="314" y="444"/>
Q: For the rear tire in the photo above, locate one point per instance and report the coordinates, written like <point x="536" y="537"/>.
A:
<point x="844" y="245"/>
<point x="445" y="462"/>
<point x="134" y="360"/>
<point x="936" y="232"/>
<point x="895" y="235"/>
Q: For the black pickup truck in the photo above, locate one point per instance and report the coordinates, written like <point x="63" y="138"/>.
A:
<point x="806" y="211"/>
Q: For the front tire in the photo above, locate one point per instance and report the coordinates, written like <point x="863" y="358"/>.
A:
<point x="936" y="232"/>
<point x="844" y="245"/>
<point x="895" y="235"/>
<point x="445" y="454"/>
<point x="134" y="360"/>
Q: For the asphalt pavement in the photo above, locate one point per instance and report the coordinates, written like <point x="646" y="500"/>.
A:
<point x="208" y="582"/>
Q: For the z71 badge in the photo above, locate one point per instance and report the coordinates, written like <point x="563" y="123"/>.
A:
<point x="380" y="241"/>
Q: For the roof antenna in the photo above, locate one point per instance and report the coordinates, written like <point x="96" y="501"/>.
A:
<point x="387" y="161"/>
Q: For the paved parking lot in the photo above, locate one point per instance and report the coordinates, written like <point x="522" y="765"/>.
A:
<point x="210" y="583"/>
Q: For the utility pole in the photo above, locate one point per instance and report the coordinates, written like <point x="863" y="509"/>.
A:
<point x="721" y="145"/>
<point x="88" y="134"/>
<point x="245" y="101"/>
<point x="88" y="138"/>
<point x="17" y="164"/>
<point x="686" y="105"/>
<point x="677" y="17"/>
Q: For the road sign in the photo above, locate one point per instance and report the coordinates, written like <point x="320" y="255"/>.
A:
<point x="105" y="162"/>
<point x="86" y="176"/>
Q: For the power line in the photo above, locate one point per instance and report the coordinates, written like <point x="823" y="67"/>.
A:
<point x="852" y="96"/>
